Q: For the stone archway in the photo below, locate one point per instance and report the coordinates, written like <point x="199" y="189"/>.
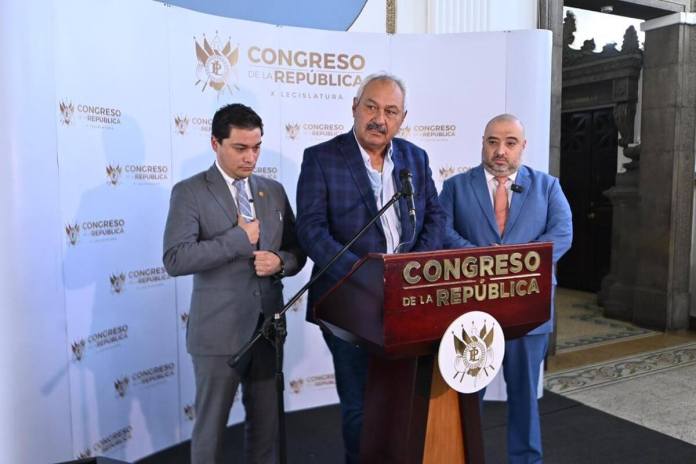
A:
<point x="600" y="93"/>
<point x="660" y="294"/>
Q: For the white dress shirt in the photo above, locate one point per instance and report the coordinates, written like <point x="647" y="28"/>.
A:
<point x="383" y="188"/>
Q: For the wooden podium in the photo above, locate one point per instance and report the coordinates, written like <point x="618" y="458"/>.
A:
<point x="398" y="307"/>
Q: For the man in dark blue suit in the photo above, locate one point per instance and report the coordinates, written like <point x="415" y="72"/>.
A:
<point x="501" y="202"/>
<point x="343" y="183"/>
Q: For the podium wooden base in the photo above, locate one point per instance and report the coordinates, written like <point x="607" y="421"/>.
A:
<point x="443" y="443"/>
<point x="412" y="416"/>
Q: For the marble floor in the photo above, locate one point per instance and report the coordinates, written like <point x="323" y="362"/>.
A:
<point x="642" y="376"/>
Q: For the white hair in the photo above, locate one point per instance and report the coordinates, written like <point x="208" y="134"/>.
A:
<point x="381" y="76"/>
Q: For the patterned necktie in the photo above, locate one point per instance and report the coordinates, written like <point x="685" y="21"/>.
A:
<point x="500" y="203"/>
<point x="243" y="201"/>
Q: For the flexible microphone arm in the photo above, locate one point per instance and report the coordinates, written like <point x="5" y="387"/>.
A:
<point x="280" y="331"/>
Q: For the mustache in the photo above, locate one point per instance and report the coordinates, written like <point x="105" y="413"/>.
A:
<point x="376" y="126"/>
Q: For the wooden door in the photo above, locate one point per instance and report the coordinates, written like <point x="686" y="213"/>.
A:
<point x="588" y="168"/>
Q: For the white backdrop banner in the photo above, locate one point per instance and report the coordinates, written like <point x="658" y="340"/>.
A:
<point x="134" y="109"/>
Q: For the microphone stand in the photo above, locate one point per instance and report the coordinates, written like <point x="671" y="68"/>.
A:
<point x="280" y="330"/>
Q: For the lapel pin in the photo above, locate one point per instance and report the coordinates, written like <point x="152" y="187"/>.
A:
<point x="261" y="194"/>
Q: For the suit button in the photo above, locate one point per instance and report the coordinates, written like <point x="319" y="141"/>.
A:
<point x="257" y="293"/>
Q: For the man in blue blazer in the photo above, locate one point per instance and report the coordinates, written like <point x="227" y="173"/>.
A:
<point x="343" y="183"/>
<point x="501" y="202"/>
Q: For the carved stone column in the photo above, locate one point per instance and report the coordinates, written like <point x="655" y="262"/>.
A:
<point x="616" y="294"/>
<point x="618" y="286"/>
<point x="662" y="298"/>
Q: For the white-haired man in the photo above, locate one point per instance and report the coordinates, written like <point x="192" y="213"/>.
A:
<point x="343" y="183"/>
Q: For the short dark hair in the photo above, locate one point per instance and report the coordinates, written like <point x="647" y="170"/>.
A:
<point x="234" y="115"/>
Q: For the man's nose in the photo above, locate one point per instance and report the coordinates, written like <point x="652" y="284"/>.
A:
<point x="380" y="117"/>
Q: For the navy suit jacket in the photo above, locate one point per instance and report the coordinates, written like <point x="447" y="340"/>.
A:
<point x="539" y="213"/>
<point x="335" y="200"/>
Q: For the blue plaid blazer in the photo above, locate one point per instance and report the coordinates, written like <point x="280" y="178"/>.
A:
<point x="335" y="200"/>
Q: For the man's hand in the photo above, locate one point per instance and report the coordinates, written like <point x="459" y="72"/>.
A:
<point x="251" y="229"/>
<point x="266" y="263"/>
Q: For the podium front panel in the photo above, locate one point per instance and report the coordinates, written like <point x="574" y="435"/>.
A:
<point x="425" y="292"/>
<point x="401" y="304"/>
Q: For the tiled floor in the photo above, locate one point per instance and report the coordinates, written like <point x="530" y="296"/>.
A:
<point x="642" y="376"/>
<point x="606" y="339"/>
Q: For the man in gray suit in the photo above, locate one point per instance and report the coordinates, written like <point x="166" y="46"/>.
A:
<point x="235" y="232"/>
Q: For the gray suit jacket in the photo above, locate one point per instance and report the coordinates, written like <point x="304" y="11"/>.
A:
<point x="202" y="238"/>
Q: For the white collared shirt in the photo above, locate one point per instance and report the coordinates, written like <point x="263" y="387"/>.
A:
<point x="383" y="192"/>
<point x="229" y="180"/>
<point x="493" y="185"/>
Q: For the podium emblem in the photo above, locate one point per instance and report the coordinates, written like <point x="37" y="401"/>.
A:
<point x="471" y="352"/>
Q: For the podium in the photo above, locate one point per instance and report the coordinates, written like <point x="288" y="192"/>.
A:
<point x="397" y="307"/>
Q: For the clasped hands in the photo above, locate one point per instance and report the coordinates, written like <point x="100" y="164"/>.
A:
<point x="266" y="263"/>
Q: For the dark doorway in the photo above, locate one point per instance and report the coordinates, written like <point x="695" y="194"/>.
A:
<point x="588" y="168"/>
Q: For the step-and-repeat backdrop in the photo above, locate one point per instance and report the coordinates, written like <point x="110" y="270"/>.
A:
<point x="137" y="84"/>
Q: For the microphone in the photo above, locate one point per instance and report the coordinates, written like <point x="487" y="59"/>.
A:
<point x="517" y="188"/>
<point x="407" y="192"/>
